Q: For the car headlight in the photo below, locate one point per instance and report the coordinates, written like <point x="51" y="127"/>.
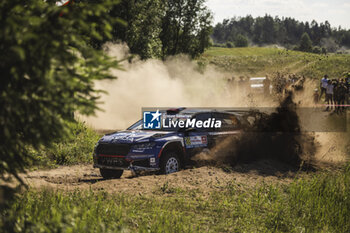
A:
<point x="144" y="146"/>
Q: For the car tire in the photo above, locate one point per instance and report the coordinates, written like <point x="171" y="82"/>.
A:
<point x="110" y="173"/>
<point x="170" y="163"/>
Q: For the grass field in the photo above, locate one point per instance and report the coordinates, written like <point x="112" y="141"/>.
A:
<point x="317" y="204"/>
<point x="258" y="61"/>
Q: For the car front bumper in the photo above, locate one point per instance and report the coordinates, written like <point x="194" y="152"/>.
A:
<point x="131" y="168"/>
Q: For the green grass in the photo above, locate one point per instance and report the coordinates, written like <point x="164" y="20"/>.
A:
<point x="256" y="61"/>
<point x="317" y="204"/>
<point x="247" y="51"/>
<point x="75" y="149"/>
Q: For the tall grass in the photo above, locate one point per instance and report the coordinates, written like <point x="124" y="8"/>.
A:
<point x="77" y="148"/>
<point x="316" y="204"/>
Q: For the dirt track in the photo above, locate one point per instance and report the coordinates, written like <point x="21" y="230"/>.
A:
<point x="204" y="178"/>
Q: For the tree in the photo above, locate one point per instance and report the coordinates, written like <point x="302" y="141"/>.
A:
<point x="305" y="43"/>
<point x="142" y="26"/>
<point x="186" y="27"/>
<point x="268" y="33"/>
<point x="143" y="30"/>
<point x="47" y="72"/>
<point x="157" y="28"/>
<point x="241" y="41"/>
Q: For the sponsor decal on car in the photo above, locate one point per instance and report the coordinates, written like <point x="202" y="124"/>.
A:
<point x="196" y="141"/>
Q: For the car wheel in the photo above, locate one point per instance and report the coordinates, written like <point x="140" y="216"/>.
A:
<point x="110" y="173"/>
<point x="170" y="163"/>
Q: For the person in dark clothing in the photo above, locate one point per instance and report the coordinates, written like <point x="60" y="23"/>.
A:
<point x="336" y="96"/>
<point x="341" y="95"/>
<point x="347" y="85"/>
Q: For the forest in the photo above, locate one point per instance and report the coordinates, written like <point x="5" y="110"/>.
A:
<point x="283" y="31"/>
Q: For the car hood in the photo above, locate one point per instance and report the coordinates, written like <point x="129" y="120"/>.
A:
<point x="130" y="136"/>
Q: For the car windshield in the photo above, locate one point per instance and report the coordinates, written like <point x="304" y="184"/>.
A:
<point x="136" y="126"/>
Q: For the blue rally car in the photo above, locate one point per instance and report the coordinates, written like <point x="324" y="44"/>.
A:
<point x="168" y="146"/>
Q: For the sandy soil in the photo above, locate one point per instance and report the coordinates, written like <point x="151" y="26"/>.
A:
<point x="330" y="156"/>
<point x="204" y="179"/>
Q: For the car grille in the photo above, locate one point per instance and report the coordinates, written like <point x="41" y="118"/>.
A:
<point x="113" y="149"/>
<point x="115" y="162"/>
<point x="141" y="163"/>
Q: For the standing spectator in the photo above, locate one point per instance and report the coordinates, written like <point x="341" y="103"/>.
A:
<point x="329" y="94"/>
<point x="336" y="95"/>
<point x="347" y="85"/>
<point x="323" y="85"/>
<point x="343" y="90"/>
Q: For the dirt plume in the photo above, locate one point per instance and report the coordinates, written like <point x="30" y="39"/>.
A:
<point x="175" y="82"/>
<point x="276" y="136"/>
<point x="179" y="82"/>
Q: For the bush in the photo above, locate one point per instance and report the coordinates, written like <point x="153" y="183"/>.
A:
<point x="229" y="45"/>
<point x="73" y="149"/>
<point x="241" y="41"/>
<point x="219" y="45"/>
<point x="317" y="50"/>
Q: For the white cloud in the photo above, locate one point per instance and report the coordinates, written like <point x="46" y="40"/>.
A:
<point x="337" y="12"/>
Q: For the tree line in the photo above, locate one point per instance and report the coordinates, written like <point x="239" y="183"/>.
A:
<point x="158" y="28"/>
<point x="284" y="31"/>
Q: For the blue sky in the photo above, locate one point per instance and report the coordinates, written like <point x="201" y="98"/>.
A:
<point x="337" y="12"/>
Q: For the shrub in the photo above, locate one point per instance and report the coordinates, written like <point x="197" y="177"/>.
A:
<point x="75" y="148"/>
<point x="229" y="44"/>
<point x="241" y="41"/>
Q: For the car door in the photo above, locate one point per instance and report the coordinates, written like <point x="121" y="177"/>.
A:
<point x="199" y="139"/>
<point x="230" y="126"/>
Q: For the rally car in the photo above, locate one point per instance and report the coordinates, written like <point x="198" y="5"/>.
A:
<point x="163" y="149"/>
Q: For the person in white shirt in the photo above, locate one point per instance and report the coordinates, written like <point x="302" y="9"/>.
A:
<point x="329" y="94"/>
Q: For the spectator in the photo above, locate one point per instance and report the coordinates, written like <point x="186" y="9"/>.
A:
<point x="329" y="94"/>
<point x="323" y="85"/>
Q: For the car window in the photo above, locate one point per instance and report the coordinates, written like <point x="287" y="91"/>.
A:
<point x="203" y="117"/>
<point x="136" y="126"/>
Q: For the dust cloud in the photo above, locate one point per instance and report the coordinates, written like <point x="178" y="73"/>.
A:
<point x="275" y="136"/>
<point x="175" y="82"/>
<point x="179" y="82"/>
